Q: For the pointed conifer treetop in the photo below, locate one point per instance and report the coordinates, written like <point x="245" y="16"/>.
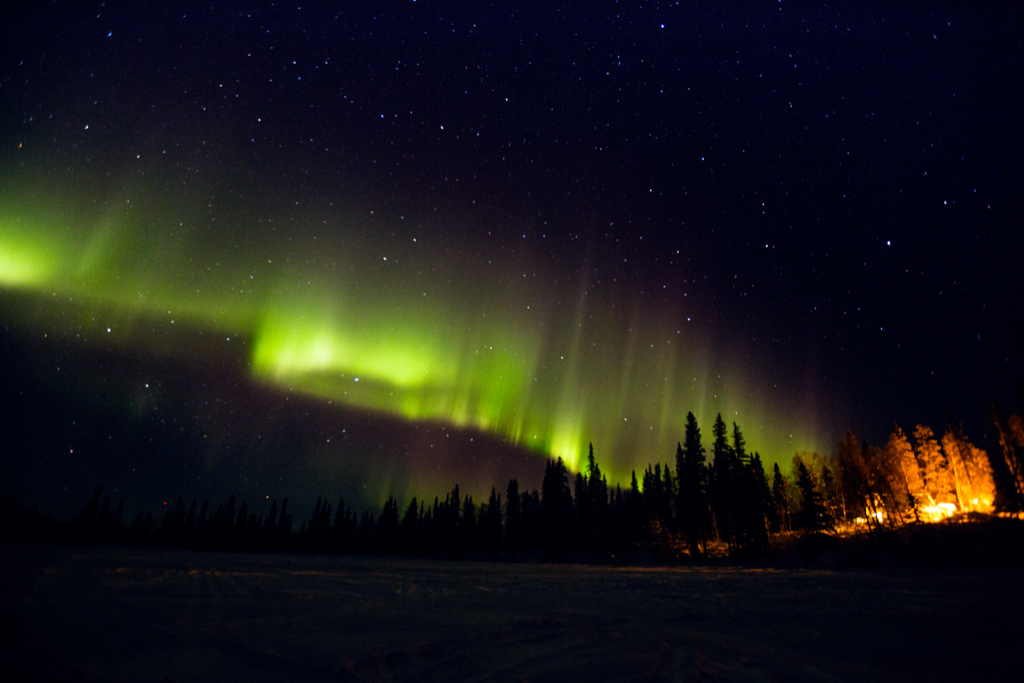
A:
<point x="594" y="476"/>
<point x="739" y="444"/>
<point x="693" y="451"/>
<point x="720" y="448"/>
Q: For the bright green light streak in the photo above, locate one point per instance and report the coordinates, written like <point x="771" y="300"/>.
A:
<point x="285" y="348"/>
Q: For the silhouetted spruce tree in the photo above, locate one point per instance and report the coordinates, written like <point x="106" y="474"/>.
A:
<point x="591" y="499"/>
<point x="533" y="520"/>
<point x="468" y="526"/>
<point x="452" y="512"/>
<point x="409" y="529"/>
<point x="635" y="513"/>
<point x="424" y="530"/>
<point x="442" y="536"/>
<point x="201" y="535"/>
<point x="324" y="522"/>
<point x="513" y="518"/>
<point x="691" y="476"/>
<point x="616" y="541"/>
<point x="85" y="527"/>
<point x="668" y="496"/>
<point x="492" y="523"/>
<point x="246" y="528"/>
<point x="343" y="530"/>
<point x="428" y="543"/>
<point x="206" y="530"/>
<point x="557" y="510"/>
<point x="481" y="526"/>
<point x="748" y="499"/>
<point x="722" y="484"/>
<point x="649" y="488"/>
<point x="597" y="491"/>
<point x="99" y="530"/>
<point x="654" y="493"/>
<point x="434" y="535"/>
<point x="189" y="526"/>
<point x="385" y="538"/>
<point x="222" y="524"/>
<point x="269" y="531"/>
<point x="284" y="526"/>
<point x="780" y="498"/>
<point x="739" y="445"/>
<point x="739" y="485"/>
<point x="814" y="515"/>
<point x="752" y="505"/>
<point x="240" y="531"/>
<point x="659" y="498"/>
<point x="599" y="497"/>
<point x="581" y="505"/>
<point x="318" y="530"/>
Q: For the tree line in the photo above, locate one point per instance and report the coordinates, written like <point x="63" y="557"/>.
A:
<point x="920" y="478"/>
<point x="713" y="501"/>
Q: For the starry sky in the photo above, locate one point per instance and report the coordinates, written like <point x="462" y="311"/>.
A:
<point x="294" y="250"/>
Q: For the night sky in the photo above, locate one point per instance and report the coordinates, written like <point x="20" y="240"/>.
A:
<point x="286" y="251"/>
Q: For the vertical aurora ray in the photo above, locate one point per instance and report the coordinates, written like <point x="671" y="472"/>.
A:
<point x="424" y="336"/>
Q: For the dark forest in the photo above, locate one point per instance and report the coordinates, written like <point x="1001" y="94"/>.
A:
<point x="713" y="503"/>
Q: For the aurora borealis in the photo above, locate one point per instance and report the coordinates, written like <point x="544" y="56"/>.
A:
<point x="410" y="335"/>
<point x="540" y="229"/>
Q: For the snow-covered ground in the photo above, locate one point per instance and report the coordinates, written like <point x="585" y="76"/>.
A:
<point x="144" y="615"/>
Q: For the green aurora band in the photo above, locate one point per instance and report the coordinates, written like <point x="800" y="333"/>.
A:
<point x="394" y="326"/>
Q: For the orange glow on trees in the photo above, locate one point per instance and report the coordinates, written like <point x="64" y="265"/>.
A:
<point x="972" y="473"/>
<point x="899" y="483"/>
<point x="937" y="480"/>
